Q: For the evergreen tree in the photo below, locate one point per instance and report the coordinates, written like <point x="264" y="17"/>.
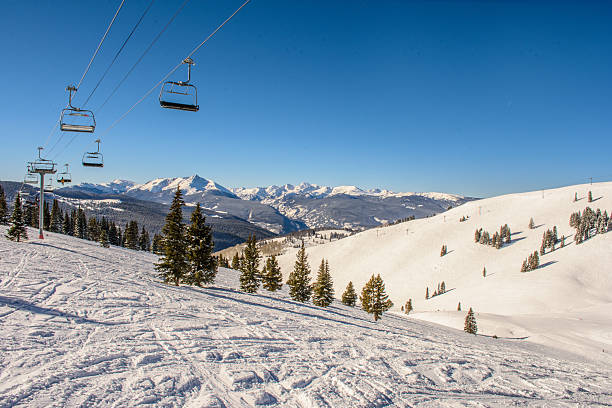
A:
<point x="443" y="250"/>
<point x="47" y="215"/>
<point x="144" y="242"/>
<point x="17" y="230"/>
<point x="236" y="261"/>
<point x="470" y="323"/>
<point x="202" y="264"/>
<point x="484" y="272"/>
<point x="80" y="224"/>
<point x="459" y="307"/>
<point x="349" y="297"/>
<point x="131" y="235"/>
<point x="531" y="224"/>
<point x="93" y="229"/>
<point x="427" y="293"/>
<point x="113" y="239"/>
<point x="323" y="287"/>
<point x="408" y="308"/>
<point x="477" y="235"/>
<point x="590" y="197"/>
<point x="66" y="228"/>
<point x="272" y="278"/>
<point x="575" y="197"/>
<point x="103" y="239"/>
<point x="56" y="218"/>
<point x="173" y="263"/>
<point x="158" y="245"/>
<point x="249" y="278"/>
<point x="373" y="298"/>
<point x="3" y="208"/>
<point x="299" y="280"/>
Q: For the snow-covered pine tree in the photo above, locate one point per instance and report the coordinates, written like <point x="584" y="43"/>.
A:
<point x="323" y="287"/>
<point x="104" y="239"/>
<point x="531" y="223"/>
<point x="202" y="265"/>
<point x="172" y="264"/>
<point x="349" y="297"/>
<point x="374" y="299"/>
<point x="272" y="278"/>
<point x="299" y="280"/>
<point x="249" y="278"/>
<point x="66" y="225"/>
<point x="56" y="217"/>
<point x="3" y="208"/>
<point x="470" y="325"/>
<point x="17" y="230"/>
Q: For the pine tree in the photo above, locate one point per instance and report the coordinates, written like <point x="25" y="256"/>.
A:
<point x="484" y="272"/>
<point x="373" y="298"/>
<point x="66" y="227"/>
<point x="104" y="239"/>
<point x="349" y="297"/>
<point x="531" y="224"/>
<point x="131" y="235"/>
<point x="443" y="250"/>
<point x="299" y="280"/>
<point x="427" y="293"/>
<point x="158" y="245"/>
<point x="4" y="218"/>
<point x="459" y="307"/>
<point x="93" y="229"/>
<point x="56" y="218"/>
<point x="249" y="278"/>
<point x="575" y="197"/>
<point x="408" y="308"/>
<point x="144" y="242"/>
<point x="272" y="278"/>
<point x="80" y="224"/>
<point x="590" y="197"/>
<point x="236" y="261"/>
<point x="470" y="323"/>
<point x="508" y="235"/>
<point x="323" y="287"/>
<point x="202" y="264"/>
<point x="173" y="263"/>
<point x="477" y="235"/>
<point x="562" y="241"/>
<point x="17" y="230"/>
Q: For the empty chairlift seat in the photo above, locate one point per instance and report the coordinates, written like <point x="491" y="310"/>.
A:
<point x="75" y="119"/>
<point x="180" y="95"/>
<point x="94" y="159"/>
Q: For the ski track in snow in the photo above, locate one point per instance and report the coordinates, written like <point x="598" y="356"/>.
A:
<point x="90" y="326"/>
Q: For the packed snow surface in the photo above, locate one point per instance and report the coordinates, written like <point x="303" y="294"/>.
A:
<point x="88" y="326"/>
<point x="566" y="303"/>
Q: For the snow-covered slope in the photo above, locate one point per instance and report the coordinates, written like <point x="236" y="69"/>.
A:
<point x="567" y="302"/>
<point x="87" y="326"/>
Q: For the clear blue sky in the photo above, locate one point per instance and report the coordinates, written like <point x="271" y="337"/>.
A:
<point x="471" y="97"/>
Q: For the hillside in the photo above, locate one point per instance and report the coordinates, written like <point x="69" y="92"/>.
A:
<point x="566" y="302"/>
<point x="88" y="326"/>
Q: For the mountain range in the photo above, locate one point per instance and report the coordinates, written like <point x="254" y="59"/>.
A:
<point x="267" y="211"/>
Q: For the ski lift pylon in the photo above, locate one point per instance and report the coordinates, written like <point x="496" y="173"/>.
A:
<point x="94" y="159"/>
<point x="180" y="95"/>
<point x="75" y="119"/>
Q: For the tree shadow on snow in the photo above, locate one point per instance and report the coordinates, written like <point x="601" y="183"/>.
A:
<point x="513" y="241"/>
<point x="67" y="250"/>
<point x="21" y="304"/>
<point x="595" y="199"/>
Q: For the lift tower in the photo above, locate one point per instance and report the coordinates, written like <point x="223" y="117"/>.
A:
<point x="42" y="167"/>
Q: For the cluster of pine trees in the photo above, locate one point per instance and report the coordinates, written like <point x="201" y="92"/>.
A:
<point x="247" y="263"/>
<point x="444" y="250"/>
<point x="407" y="308"/>
<point x="550" y="240"/>
<point x="531" y="263"/>
<point x="4" y="217"/>
<point x="401" y="220"/>
<point x="440" y="291"/>
<point x="186" y="250"/>
<point x="504" y="236"/>
<point x="589" y="223"/>
<point x="463" y="218"/>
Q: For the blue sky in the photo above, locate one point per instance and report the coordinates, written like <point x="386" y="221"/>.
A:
<point x="471" y="97"/>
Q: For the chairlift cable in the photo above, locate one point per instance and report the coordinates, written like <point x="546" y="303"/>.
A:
<point x="174" y="69"/>
<point x="119" y="52"/>
<point x="100" y="45"/>
<point x="143" y="55"/>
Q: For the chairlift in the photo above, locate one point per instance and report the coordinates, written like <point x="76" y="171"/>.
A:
<point x="65" y="176"/>
<point x="30" y="178"/>
<point x="94" y="159"/>
<point x="42" y="166"/>
<point x="75" y="119"/>
<point x="48" y="187"/>
<point x="180" y="95"/>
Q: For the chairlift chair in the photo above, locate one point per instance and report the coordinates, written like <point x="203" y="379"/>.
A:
<point x="65" y="176"/>
<point x="180" y="95"/>
<point x="42" y="166"/>
<point x="48" y="187"/>
<point x="93" y="159"/>
<point x="30" y="178"/>
<point x="75" y="119"/>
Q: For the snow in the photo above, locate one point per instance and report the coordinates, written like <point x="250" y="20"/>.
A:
<point x="89" y="326"/>
<point x="564" y="304"/>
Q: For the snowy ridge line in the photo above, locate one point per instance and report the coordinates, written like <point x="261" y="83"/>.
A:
<point x="148" y="343"/>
